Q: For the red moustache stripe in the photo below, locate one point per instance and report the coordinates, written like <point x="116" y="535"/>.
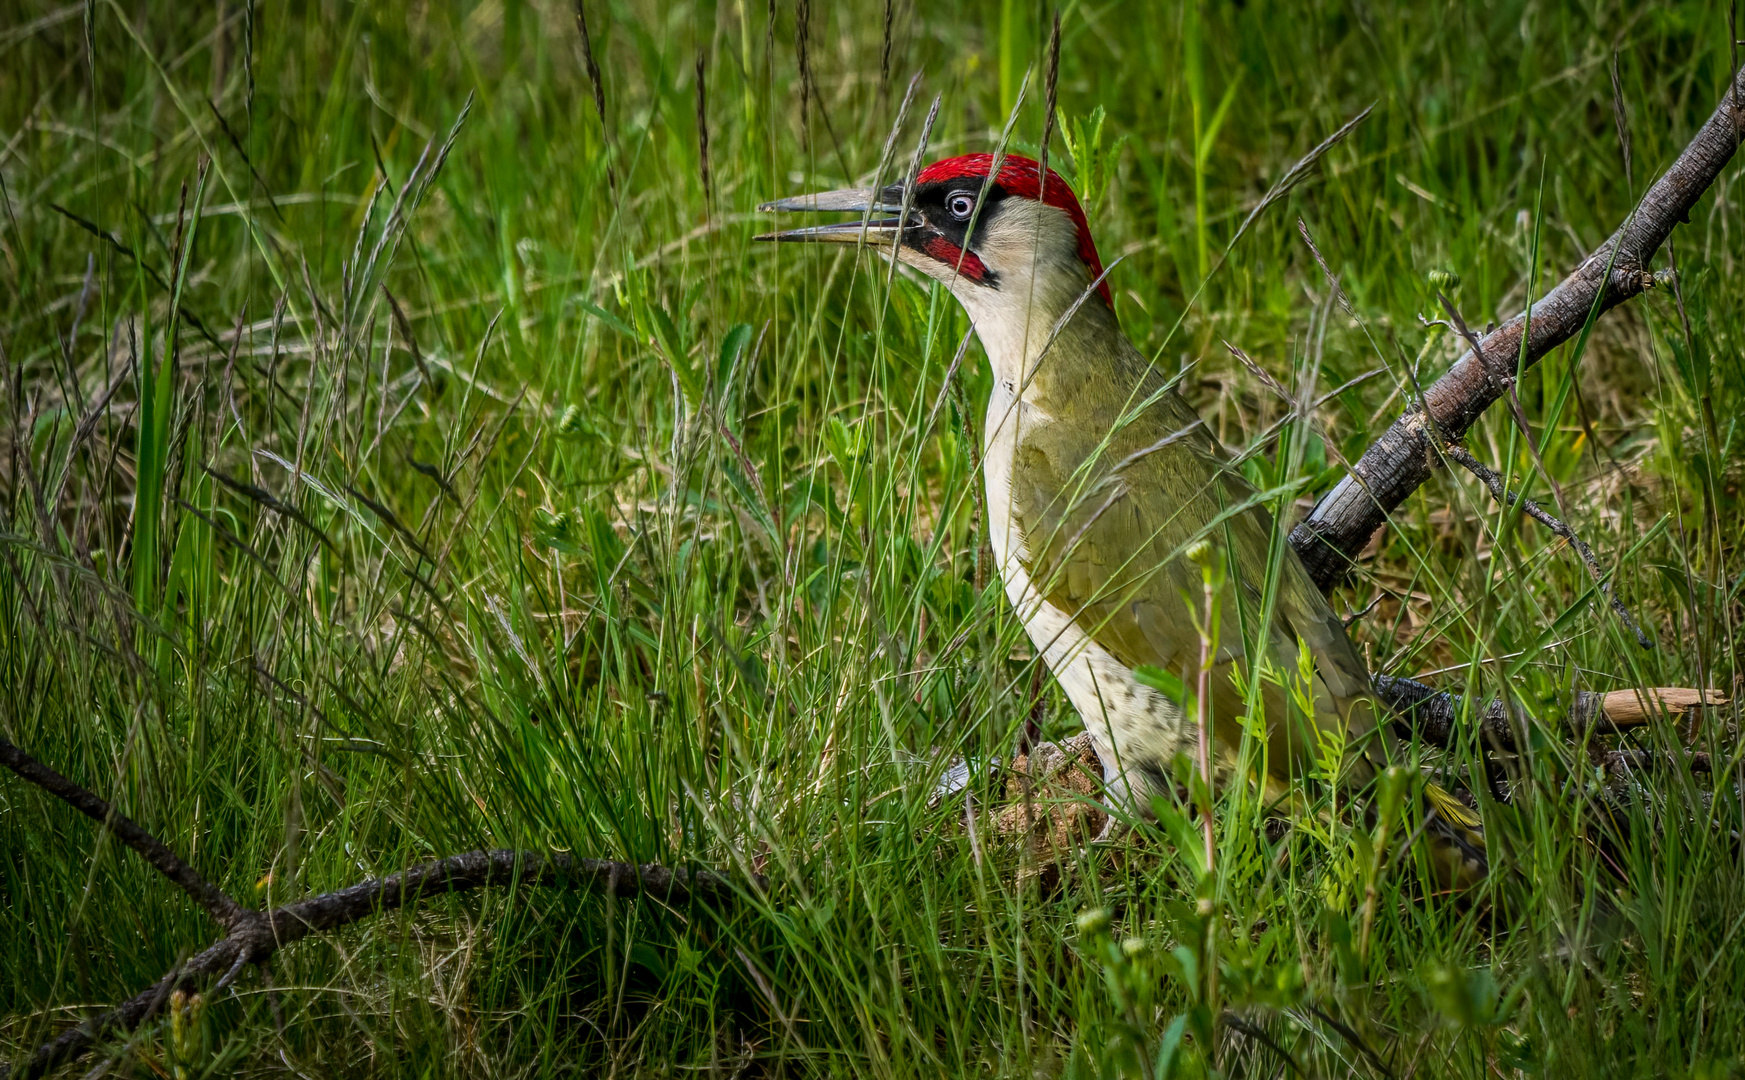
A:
<point x="951" y="255"/>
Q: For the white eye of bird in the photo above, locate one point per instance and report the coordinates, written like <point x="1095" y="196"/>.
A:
<point x="962" y="205"/>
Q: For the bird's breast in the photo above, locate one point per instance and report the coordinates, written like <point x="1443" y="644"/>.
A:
<point x="1007" y="416"/>
<point x="1127" y="719"/>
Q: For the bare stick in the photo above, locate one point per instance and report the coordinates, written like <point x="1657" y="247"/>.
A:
<point x="261" y="934"/>
<point x="1399" y="462"/>
<point x="252" y="937"/>
<point x="1533" y="510"/>
<point x="216" y="903"/>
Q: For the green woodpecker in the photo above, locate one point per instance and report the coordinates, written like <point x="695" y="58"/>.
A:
<point x="1100" y="478"/>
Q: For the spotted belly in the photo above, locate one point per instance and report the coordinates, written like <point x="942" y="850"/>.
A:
<point x="1137" y="731"/>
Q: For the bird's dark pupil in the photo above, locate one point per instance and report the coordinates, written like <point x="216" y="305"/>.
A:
<point x="961" y="205"/>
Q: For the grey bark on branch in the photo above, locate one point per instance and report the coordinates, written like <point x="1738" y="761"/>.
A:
<point x="1405" y="456"/>
<point x="253" y="936"/>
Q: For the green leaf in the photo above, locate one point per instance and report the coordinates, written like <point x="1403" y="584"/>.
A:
<point x="846" y="444"/>
<point x="646" y="956"/>
<point x="1171" y="1045"/>
<point x="732" y="345"/>
<point x="1210" y="135"/>
<point x="611" y="320"/>
<point x="1189" y="965"/>
<point x="674" y="349"/>
<point x="603" y="541"/>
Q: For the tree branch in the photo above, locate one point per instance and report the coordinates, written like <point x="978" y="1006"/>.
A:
<point x="1399" y="462"/>
<point x="259" y="935"/>
<point x="252" y="937"/>
<point x="1432" y="715"/>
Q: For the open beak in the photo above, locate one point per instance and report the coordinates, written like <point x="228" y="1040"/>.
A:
<point x="880" y="217"/>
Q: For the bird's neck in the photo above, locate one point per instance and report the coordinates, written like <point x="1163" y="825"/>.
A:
<point x="1045" y="361"/>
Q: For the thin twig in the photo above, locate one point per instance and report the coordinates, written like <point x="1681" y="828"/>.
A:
<point x="1506" y="379"/>
<point x="1533" y="510"/>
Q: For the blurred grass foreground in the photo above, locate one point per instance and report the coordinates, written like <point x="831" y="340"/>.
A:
<point x="406" y="452"/>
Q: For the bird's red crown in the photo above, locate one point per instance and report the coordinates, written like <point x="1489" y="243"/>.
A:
<point x="1021" y="176"/>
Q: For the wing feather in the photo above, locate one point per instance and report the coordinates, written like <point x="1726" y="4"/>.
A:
<point x="1105" y="521"/>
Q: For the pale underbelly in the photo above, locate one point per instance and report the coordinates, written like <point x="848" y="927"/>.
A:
<point x="1138" y="731"/>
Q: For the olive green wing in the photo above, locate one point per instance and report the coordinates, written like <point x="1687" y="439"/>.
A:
<point x="1100" y="550"/>
<point x="1106" y="520"/>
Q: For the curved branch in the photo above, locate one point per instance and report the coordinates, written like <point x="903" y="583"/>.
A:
<point x="252" y="937"/>
<point x="258" y="935"/>
<point x="1398" y="462"/>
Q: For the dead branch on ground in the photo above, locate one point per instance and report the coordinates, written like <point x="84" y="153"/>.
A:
<point x="252" y="936"/>
<point x="1435" y="716"/>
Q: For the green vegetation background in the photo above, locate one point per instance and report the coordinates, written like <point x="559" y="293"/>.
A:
<point x="634" y="539"/>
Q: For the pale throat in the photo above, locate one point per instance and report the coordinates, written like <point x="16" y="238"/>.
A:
<point x="1017" y="327"/>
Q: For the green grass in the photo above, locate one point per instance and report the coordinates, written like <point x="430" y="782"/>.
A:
<point x="647" y="550"/>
